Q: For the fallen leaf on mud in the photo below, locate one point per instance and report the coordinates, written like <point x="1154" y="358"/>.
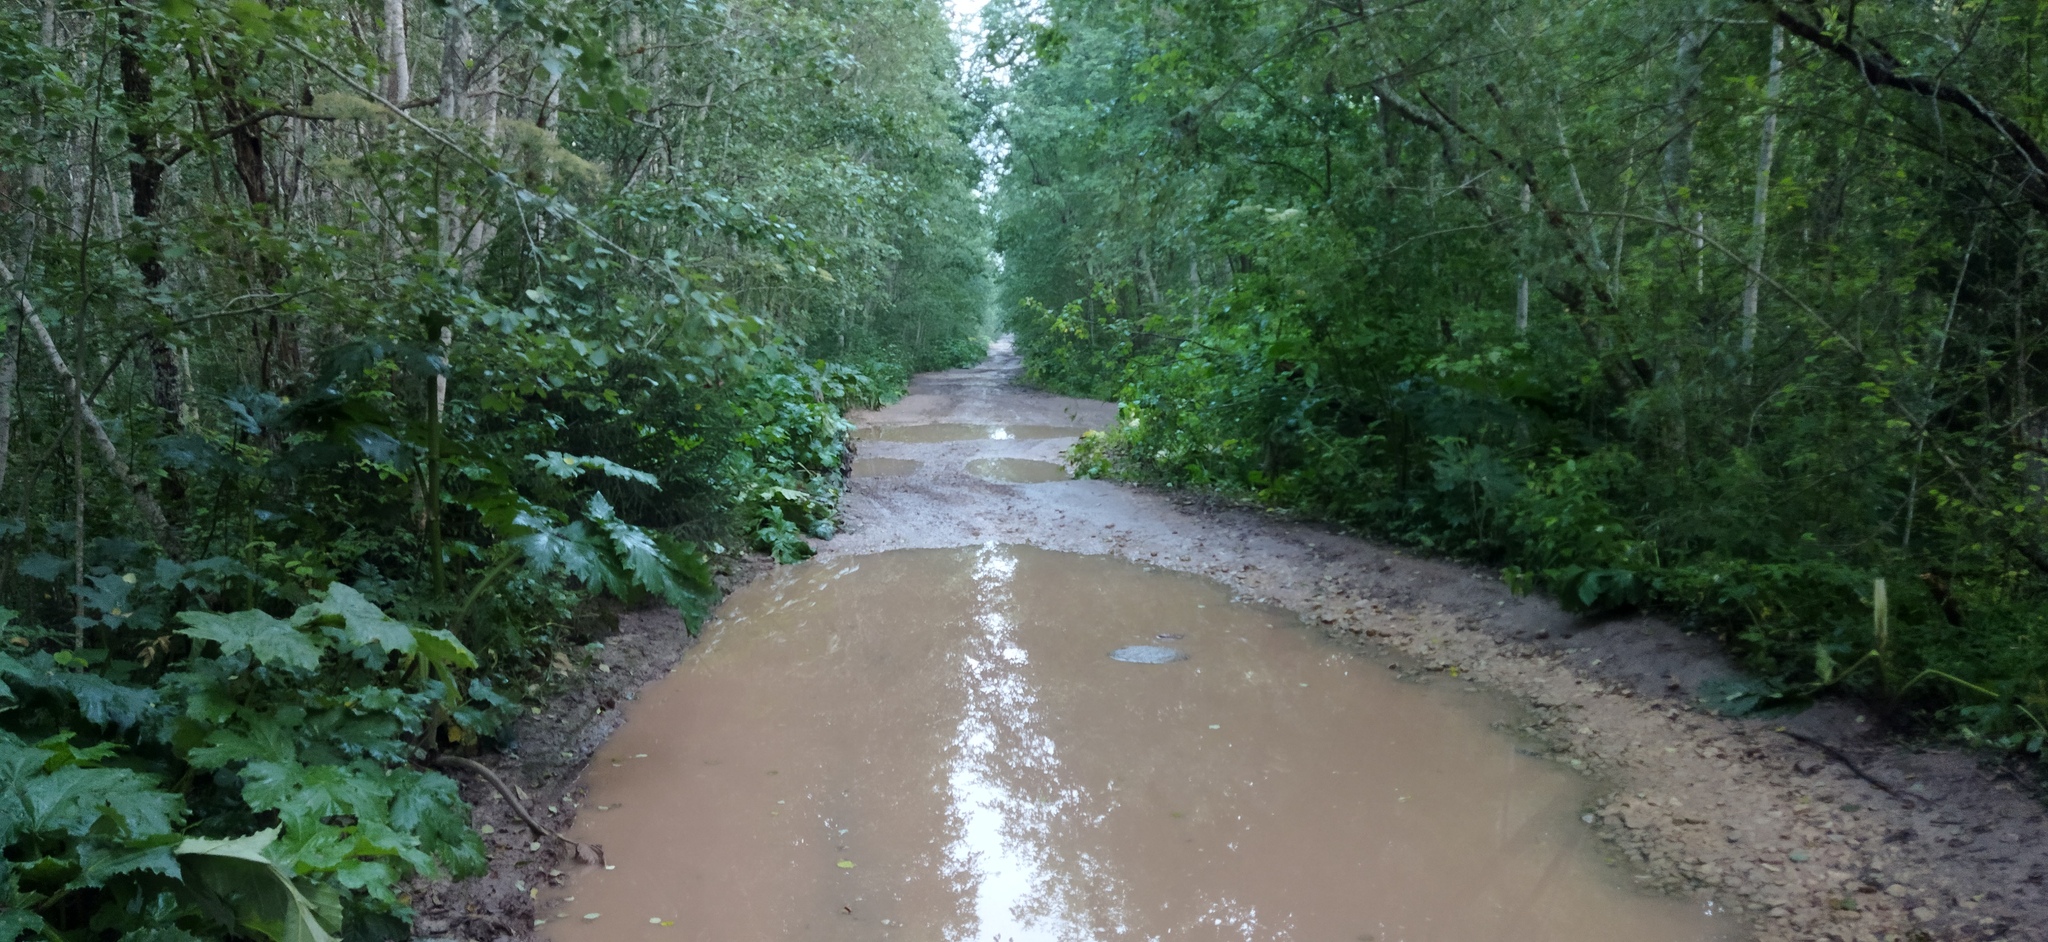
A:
<point x="487" y="829"/>
<point x="589" y="916"/>
<point x="846" y="865"/>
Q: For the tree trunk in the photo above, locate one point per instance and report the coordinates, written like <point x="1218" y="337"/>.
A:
<point x="1522" y="279"/>
<point x="1766" y="149"/>
<point x="1677" y="170"/>
<point x="10" y="363"/>
<point x="398" y="69"/>
<point x="145" y="184"/>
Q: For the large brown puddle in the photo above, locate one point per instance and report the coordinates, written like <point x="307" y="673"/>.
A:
<point x="936" y="745"/>
<point x="960" y="432"/>
<point x="1017" y="470"/>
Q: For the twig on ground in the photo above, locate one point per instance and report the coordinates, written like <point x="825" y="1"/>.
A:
<point x="1842" y="757"/>
<point x="586" y="853"/>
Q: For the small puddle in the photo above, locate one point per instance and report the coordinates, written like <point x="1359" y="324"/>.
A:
<point x="1017" y="470"/>
<point x="959" y="432"/>
<point x="942" y="745"/>
<point x="883" y="467"/>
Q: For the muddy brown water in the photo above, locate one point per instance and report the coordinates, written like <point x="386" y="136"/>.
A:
<point x="961" y="432"/>
<point x="935" y="744"/>
<point x="1017" y="470"/>
<point x="883" y="467"/>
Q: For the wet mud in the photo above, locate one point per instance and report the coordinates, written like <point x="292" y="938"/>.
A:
<point x="883" y="467"/>
<point x="939" y="744"/>
<point x="1782" y="837"/>
<point x="1018" y="470"/>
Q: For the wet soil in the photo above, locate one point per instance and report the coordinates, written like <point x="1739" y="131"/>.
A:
<point x="544" y="759"/>
<point x="1689" y="803"/>
<point x="883" y="467"/>
<point x="1788" y="837"/>
<point x="961" y="744"/>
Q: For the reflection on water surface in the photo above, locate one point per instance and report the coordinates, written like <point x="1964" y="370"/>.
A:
<point x="959" y="432"/>
<point x="935" y="745"/>
<point x="1017" y="470"/>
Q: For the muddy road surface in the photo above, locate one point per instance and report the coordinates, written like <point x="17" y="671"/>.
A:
<point x="923" y="734"/>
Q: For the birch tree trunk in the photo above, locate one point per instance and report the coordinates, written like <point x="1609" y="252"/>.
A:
<point x="398" y="74"/>
<point x="10" y="362"/>
<point x="1522" y="279"/>
<point x="1758" y="218"/>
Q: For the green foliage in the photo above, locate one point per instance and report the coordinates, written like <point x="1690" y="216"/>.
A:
<point x="400" y="363"/>
<point x="1516" y="282"/>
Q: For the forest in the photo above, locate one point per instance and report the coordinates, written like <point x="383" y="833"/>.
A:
<point x="360" y="358"/>
<point x="1730" y="309"/>
<point x="355" y="352"/>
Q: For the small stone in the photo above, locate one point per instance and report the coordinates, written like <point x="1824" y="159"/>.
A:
<point x="1923" y="914"/>
<point x="1895" y="891"/>
<point x="588" y="917"/>
<point x="654" y="920"/>
<point x="533" y="846"/>
<point x="1799" y="856"/>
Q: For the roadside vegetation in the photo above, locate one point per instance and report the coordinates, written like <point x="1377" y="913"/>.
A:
<point x="1733" y="309"/>
<point x="350" y="350"/>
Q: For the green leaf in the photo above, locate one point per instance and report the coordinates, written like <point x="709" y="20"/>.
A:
<point x="567" y="467"/>
<point x="439" y="647"/>
<point x="271" y="641"/>
<point x="99" y="700"/>
<point x="363" y="624"/>
<point x="264" y="741"/>
<point x="257" y="895"/>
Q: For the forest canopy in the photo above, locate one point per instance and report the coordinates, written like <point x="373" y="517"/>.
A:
<point x="351" y="349"/>
<point x="1732" y="308"/>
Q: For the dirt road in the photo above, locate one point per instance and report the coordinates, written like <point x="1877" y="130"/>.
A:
<point x="1692" y="803"/>
<point x="1780" y="831"/>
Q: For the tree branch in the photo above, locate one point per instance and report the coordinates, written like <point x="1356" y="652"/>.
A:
<point x="1881" y="68"/>
<point x="151" y="513"/>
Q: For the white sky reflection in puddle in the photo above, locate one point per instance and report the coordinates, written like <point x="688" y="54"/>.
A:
<point x="1027" y="883"/>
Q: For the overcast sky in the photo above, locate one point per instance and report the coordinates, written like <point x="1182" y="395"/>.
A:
<point x="966" y="21"/>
